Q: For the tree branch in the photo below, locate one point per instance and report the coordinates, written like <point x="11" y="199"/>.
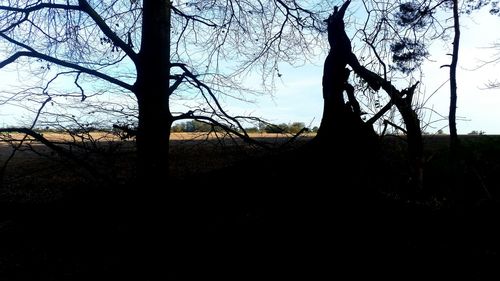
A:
<point x="59" y="150"/>
<point x="380" y="113"/>
<point x="28" y="10"/>
<point x="129" y="132"/>
<point x="199" y="19"/>
<point x="17" y="147"/>
<point x="107" y="31"/>
<point x="201" y="85"/>
<point x="395" y="126"/>
<point x="176" y="84"/>
<point x="96" y="73"/>
<point x="245" y="137"/>
<point x="298" y="10"/>
<point x="40" y="6"/>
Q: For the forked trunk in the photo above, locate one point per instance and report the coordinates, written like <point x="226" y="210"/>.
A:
<point x="341" y="125"/>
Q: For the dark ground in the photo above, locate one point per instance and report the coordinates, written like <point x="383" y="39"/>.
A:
<point x="273" y="217"/>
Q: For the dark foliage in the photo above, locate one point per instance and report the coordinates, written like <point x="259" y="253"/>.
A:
<point x="472" y="5"/>
<point x="408" y="54"/>
<point x="412" y="14"/>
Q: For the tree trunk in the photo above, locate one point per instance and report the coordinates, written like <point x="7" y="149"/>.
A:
<point x="453" y="81"/>
<point x="341" y="121"/>
<point x="456" y="184"/>
<point x="415" y="144"/>
<point x="150" y="194"/>
<point x="341" y="124"/>
<point x="403" y="102"/>
<point x="334" y="108"/>
<point x="343" y="138"/>
<point x="151" y="89"/>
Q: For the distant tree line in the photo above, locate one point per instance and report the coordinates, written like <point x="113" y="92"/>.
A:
<point x="82" y="129"/>
<point x="200" y="126"/>
<point x="187" y="126"/>
<point x="193" y="126"/>
<point x="262" y="127"/>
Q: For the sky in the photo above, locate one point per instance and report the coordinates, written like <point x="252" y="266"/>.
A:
<point x="298" y="95"/>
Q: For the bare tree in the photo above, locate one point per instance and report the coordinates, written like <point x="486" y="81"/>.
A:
<point x="396" y="35"/>
<point x="148" y="56"/>
<point x="346" y="116"/>
<point x="204" y="49"/>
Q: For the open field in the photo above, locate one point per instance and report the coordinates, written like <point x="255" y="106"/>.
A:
<point x="228" y="227"/>
<point x="38" y="174"/>
<point x="104" y="136"/>
<point x="194" y="153"/>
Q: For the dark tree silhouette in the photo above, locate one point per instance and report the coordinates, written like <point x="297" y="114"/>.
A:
<point x="337" y="116"/>
<point x="151" y="52"/>
<point x="341" y="121"/>
<point x="401" y="31"/>
<point x="161" y="236"/>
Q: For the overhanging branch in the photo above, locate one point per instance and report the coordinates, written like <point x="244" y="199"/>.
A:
<point x="27" y="10"/>
<point x="244" y="136"/>
<point x="40" y="6"/>
<point x="59" y="150"/>
<point x="195" y="18"/>
<point x="18" y="146"/>
<point x="107" y="31"/>
<point x="202" y="85"/>
<point x="80" y="68"/>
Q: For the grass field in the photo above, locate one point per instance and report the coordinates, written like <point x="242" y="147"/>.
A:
<point x="37" y="167"/>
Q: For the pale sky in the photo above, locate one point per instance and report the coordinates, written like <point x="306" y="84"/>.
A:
<point x="299" y="96"/>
